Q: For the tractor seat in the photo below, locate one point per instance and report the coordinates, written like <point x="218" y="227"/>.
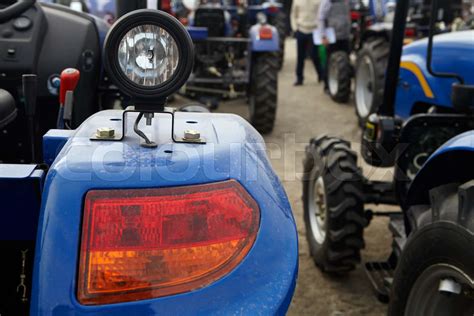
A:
<point x="213" y="18"/>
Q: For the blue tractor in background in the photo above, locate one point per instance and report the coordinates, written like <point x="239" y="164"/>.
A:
<point x="138" y="211"/>
<point x="237" y="56"/>
<point x="372" y="58"/>
<point x="425" y="130"/>
<point x="370" y="45"/>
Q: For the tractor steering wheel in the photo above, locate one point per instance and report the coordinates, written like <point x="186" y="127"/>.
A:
<point x="15" y="9"/>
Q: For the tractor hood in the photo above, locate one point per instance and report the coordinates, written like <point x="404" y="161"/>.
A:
<point x="452" y="52"/>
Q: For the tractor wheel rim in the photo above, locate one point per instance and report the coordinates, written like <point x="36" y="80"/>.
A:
<point x="441" y="289"/>
<point x="333" y="79"/>
<point x="364" y="90"/>
<point x="318" y="209"/>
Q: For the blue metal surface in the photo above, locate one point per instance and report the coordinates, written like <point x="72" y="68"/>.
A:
<point x="198" y="33"/>
<point x="264" y="45"/>
<point x="53" y="142"/>
<point x="12" y="171"/>
<point x="20" y="194"/>
<point x="452" y="53"/>
<point x="263" y="283"/>
<point x="463" y="142"/>
<point x="451" y="163"/>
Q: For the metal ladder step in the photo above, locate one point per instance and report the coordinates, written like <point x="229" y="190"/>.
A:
<point x="380" y="275"/>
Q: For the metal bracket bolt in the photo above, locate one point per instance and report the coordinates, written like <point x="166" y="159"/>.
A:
<point x="192" y="135"/>
<point x="105" y="133"/>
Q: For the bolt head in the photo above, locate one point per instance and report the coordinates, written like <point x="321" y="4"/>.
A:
<point x="105" y="132"/>
<point x="192" y="134"/>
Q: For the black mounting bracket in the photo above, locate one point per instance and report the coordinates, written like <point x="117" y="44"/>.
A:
<point x="120" y="135"/>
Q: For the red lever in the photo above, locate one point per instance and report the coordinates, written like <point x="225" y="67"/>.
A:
<point x="69" y="79"/>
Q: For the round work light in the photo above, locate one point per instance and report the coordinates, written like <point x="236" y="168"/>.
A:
<point x="148" y="54"/>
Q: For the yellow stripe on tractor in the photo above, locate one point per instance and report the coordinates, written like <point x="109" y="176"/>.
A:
<point x="413" y="68"/>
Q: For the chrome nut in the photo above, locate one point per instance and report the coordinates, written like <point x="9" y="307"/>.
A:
<point x="105" y="132"/>
<point x="191" y="135"/>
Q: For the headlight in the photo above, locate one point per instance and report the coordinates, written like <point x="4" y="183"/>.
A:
<point x="148" y="54"/>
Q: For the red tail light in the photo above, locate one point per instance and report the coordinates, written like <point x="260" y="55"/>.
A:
<point x="355" y="15"/>
<point x="272" y="9"/>
<point x="410" y="32"/>
<point x="146" y="243"/>
<point x="265" y="33"/>
<point x="166" y="6"/>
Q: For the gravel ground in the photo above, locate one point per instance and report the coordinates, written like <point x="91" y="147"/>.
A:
<point x="305" y="112"/>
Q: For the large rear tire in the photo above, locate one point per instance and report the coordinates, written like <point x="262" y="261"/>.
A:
<point x="339" y="77"/>
<point x="280" y="24"/>
<point x="371" y="67"/>
<point x="263" y="94"/>
<point x="435" y="273"/>
<point x="333" y="205"/>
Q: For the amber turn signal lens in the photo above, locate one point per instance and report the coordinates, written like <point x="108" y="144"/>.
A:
<point x="147" y="243"/>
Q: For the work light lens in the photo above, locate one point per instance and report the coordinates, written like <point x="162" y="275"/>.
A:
<point x="148" y="55"/>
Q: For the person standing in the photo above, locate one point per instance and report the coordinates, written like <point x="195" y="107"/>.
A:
<point x="334" y="14"/>
<point x="304" y="22"/>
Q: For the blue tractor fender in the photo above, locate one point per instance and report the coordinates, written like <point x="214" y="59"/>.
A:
<point x="451" y="163"/>
<point x="452" y="53"/>
<point x="262" y="283"/>
<point x="264" y="45"/>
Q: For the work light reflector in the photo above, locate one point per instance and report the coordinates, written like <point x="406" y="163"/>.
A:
<point x="148" y="55"/>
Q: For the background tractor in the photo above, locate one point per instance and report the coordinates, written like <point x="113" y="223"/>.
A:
<point x="430" y="269"/>
<point x="371" y="42"/>
<point x="235" y="58"/>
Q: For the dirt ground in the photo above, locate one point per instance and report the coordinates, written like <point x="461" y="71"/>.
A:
<point x="305" y="112"/>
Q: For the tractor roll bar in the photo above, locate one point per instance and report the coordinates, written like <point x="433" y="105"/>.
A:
<point x="393" y="68"/>
<point x="429" y="55"/>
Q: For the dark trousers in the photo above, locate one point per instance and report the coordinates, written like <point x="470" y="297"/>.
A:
<point x="342" y="45"/>
<point x="304" y="43"/>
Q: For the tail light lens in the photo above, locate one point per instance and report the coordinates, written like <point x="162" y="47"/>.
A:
<point x="146" y="243"/>
<point x="355" y="15"/>
<point x="410" y="32"/>
<point x="273" y="9"/>
<point x="166" y="6"/>
<point x="265" y="33"/>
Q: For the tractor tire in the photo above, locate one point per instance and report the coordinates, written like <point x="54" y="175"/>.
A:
<point x="339" y="77"/>
<point x="263" y="92"/>
<point x="438" y="248"/>
<point x="280" y="24"/>
<point x="333" y="205"/>
<point x="371" y="67"/>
